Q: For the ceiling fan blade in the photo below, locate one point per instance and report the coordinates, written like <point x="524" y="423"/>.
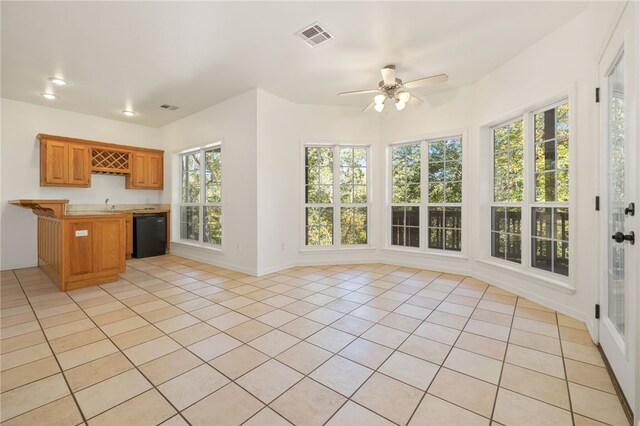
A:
<point x="358" y="92"/>
<point x="425" y="81"/>
<point x="368" y="107"/>
<point x="388" y="75"/>
<point x="415" y="101"/>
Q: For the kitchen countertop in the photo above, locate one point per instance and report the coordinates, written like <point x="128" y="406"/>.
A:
<point x="112" y="212"/>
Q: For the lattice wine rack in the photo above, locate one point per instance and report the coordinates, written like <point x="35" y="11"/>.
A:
<point x="108" y="162"/>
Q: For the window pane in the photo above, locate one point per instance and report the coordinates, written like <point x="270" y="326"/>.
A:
<point x="191" y="177"/>
<point x="453" y="150"/>
<point x="213" y="176"/>
<point x="319" y="226"/>
<point x="436" y="238"/>
<point x="542" y="222"/>
<point x="561" y="258"/>
<point x="190" y="223"/>
<point x="445" y="166"/>
<point x="353" y="222"/>
<point x="452" y="239"/>
<point x="405" y="229"/>
<point x="561" y="224"/>
<point x="445" y="225"/>
<point x="508" y="162"/>
<point x="514" y="217"/>
<point x="405" y="173"/>
<point x="498" y="245"/>
<point x="213" y="225"/>
<point x="353" y="175"/>
<point x="552" y="154"/>
<point x="318" y="175"/>
<point x="541" y="254"/>
<point x="550" y="241"/>
<point x="436" y="193"/>
<point x="498" y="219"/>
<point x="514" y="248"/>
<point x="505" y="236"/>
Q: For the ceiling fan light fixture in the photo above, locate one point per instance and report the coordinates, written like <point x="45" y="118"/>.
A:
<point x="400" y="105"/>
<point x="404" y="97"/>
<point x="49" y="96"/>
<point x="378" y="107"/>
<point x="379" y="99"/>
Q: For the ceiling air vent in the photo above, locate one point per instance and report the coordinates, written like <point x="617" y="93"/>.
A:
<point x="314" y="35"/>
<point x="169" y="107"/>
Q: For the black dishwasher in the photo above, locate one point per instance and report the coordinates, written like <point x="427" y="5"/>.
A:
<point x="149" y="234"/>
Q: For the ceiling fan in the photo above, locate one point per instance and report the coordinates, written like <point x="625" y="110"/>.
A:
<point x="393" y="89"/>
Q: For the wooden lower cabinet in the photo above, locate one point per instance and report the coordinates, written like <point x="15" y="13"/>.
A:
<point x="82" y="251"/>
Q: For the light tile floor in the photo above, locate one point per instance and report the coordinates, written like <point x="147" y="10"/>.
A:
<point x="176" y="341"/>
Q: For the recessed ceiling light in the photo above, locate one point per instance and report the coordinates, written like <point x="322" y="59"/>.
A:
<point x="58" y="81"/>
<point x="49" y="96"/>
<point x="128" y="113"/>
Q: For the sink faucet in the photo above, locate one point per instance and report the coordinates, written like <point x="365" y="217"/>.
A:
<point x="106" y="207"/>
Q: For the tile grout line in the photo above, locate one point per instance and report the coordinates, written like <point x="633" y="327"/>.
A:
<point x="564" y="368"/>
<point x="504" y="360"/>
<point x="122" y="352"/>
<point x="84" y="419"/>
<point x="453" y="345"/>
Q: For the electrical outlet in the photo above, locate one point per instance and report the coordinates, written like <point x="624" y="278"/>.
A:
<point x="281" y="246"/>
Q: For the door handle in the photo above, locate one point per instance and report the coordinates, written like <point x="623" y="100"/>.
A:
<point x="631" y="210"/>
<point x="619" y="237"/>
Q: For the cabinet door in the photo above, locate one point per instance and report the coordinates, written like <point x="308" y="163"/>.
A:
<point x="155" y="171"/>
<point x="54" y="163"/>
<point x="79" y="248"/>
<point x="139" y="170"/>
<point x="108" y="246"/>
<point x="79" y="168"/>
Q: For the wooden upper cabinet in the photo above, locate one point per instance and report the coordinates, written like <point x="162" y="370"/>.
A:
<point x="79" y="165"/>
<point x="147" y="171"/>
<point x="70" y="162"/>
<point x="64" y="164"/>
<point x="155" y="171"/>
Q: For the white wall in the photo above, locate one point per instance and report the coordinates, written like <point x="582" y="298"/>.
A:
<point x="278" y="182"/>
<point x="20" y="170"/>
<point x="235" y="121"/>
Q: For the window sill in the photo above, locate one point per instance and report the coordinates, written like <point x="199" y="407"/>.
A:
<point x="208" y="247"/>
<point x="540" y="279"/>
<point x="444" y="254"/>
<point x="325" y="250"/>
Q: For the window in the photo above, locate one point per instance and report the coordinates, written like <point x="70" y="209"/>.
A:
<point x="545" y="194"/>
<point x="437" y="163"/>
<point x="201" y="198"/>
<point x="508" y="191"/>
<point x="336" y="192"/>
<point x="550" y="211"/>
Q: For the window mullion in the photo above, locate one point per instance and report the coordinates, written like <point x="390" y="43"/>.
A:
<point x="336" y="196"/>
<point x="528" y="157"/>
<point x="203" y="179"/>
<point x="424" y="193"/>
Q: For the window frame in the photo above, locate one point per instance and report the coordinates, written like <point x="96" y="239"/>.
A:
<point x="337" y="203"/>
<point x="424" y="193"/>
<point x="202" y="204"/>
<point x="527" y="114"/>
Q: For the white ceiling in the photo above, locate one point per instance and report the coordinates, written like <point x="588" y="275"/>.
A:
<point x="139" y="55"/>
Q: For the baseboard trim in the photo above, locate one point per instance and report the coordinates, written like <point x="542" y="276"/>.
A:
<point x="616" y="385"/>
